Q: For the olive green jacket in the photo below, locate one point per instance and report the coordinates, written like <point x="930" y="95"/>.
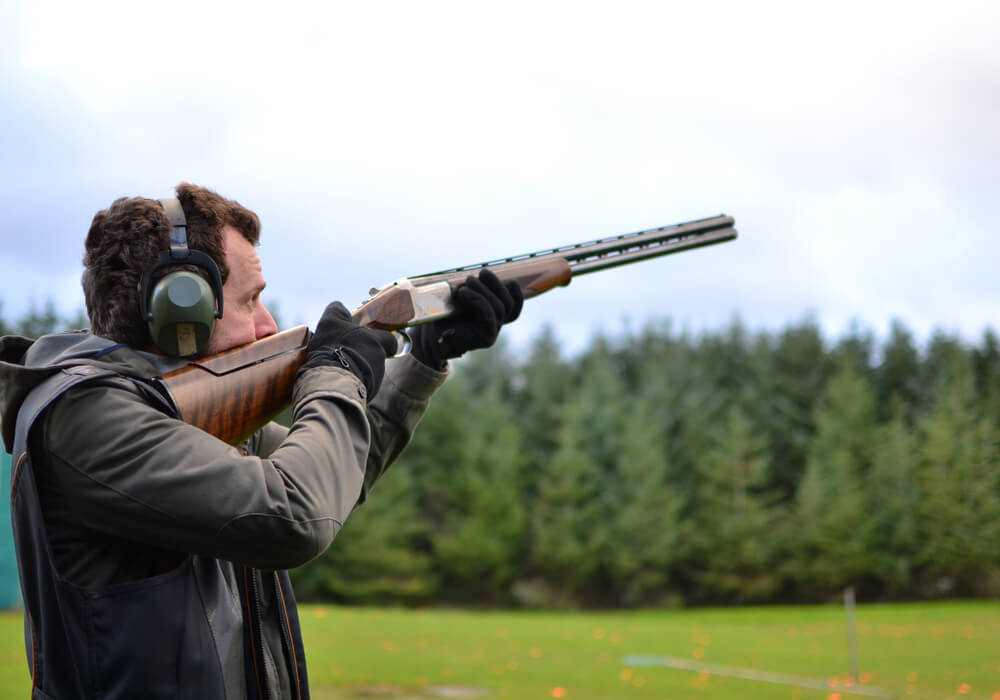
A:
<point x="129" y="492"/>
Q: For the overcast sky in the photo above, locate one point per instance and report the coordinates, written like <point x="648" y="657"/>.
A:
<point x="855" y="143"/>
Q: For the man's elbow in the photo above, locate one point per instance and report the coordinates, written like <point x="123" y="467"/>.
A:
<point x="287" y="545"/>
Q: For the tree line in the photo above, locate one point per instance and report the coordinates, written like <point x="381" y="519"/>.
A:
<point x="662" y="467"/>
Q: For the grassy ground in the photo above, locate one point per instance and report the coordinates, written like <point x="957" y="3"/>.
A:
<point x="944" y="650"/>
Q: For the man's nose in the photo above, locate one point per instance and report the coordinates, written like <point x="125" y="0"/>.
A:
<point x="264" y="323"/>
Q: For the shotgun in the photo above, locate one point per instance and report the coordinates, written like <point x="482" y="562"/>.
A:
<point x="236" y="392"/>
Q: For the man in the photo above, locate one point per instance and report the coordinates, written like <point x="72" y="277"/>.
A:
<point x="151" y="554"/>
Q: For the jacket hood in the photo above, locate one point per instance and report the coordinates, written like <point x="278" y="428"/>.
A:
<point x="25" y="363"/>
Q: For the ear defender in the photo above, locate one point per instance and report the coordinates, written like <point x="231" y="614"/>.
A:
<point x="182" y="307"/>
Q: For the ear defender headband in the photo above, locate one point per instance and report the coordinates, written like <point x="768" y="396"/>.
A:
<point x="182" y="307"/>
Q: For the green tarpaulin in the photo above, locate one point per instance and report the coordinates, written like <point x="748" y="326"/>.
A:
<point x="10" y="592"/>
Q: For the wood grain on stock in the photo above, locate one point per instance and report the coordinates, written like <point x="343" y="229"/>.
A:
<point x="236" y="392"/>
<point x="390" y="311"/>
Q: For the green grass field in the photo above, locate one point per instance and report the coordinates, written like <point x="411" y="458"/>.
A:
<point x="942" y="650"/>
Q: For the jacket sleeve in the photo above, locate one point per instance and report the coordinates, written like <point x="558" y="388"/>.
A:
<point x="395" y="412"/>
<point x="137" y="473"/>
<point x="392" y="416"/>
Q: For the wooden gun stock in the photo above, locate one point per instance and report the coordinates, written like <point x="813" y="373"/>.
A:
<point x="236" y="392"/>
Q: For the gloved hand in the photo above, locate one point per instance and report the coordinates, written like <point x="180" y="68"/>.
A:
<point x="340" y="342"/>
<point x="482" y="305"/>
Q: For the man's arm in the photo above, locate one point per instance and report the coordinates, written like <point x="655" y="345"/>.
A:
<point x="393" y="416"/>
<point x="395" y="412"/>
<point x="482" y="306"/>
<point x="130" y="471"/>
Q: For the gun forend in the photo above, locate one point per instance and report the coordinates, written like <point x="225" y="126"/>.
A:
<point x="412" y="301"/>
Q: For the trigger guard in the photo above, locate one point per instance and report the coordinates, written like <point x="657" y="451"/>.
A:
<point x="403" y="343"/>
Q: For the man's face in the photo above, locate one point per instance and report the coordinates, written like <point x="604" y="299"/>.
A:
<point x="244" y="318"/>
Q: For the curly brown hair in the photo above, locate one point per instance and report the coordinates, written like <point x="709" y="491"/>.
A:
<point x="126" y="238"/>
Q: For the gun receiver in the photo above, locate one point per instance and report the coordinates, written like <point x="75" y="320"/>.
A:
<point x="236" y="392"/>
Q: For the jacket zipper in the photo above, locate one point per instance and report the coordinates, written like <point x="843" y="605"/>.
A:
<point x="342" y="357"/>
<point x="256" y="637"/>
<point x="286" y="636"/>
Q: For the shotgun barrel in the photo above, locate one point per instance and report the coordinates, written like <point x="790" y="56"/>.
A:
<point x="605" y="253"/>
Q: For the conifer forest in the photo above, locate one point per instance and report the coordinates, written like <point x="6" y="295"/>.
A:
<point x="663" y="467"/>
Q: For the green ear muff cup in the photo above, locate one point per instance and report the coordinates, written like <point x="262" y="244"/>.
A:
<point x="182" y="307"/>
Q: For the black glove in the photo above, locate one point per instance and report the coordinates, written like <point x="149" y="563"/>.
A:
<point x="482" y="306"/>
<point x="340" y="342"/>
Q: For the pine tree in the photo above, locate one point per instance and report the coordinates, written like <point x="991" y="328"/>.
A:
<point x="960" y="489"/>
<point x="944" y="353"/>
<point x="603" y="406"/>
<point x="566" y="537"/>
<point x="829" y="553"/>
<point x="645" y="531"/>
<point x="439" y="450"/>
<point x="488" y="369"/>
<point x="542" y="385"/>
<point x="892" y="528"/>
<point x="477" y="545"/>
<point x="897" y="378"/>
<point x="721" y="370"/>
<point x="986" y="363"/>
<point x="796" y="371"/>
<point x="735" y="517"/>
<point x="668" y="380"/>
<point x="856" y="346"/>
<point x="375" y="558"/>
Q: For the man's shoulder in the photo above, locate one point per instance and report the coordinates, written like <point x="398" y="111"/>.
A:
<point x="75" y="348"/>
<point x="73" y="364"/>
<point x="105" y="398"/>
